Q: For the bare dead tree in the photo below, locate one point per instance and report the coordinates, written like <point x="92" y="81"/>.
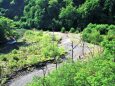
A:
<point x="44" y="74"/>
<point x="53" y="37"/>
<point x="83" y="48"/>
<point x="56" y="64"/>
<point x="72" y="49"/>
<point x="47" y="67"/>
<point x="72" y="46"/>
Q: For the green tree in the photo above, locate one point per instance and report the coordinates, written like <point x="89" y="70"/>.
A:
<point x="68" y="16"/>
<point x="6" y="28"/>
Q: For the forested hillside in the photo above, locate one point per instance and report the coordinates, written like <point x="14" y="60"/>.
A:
<point x="12" y="8"/>
<point x="48" y="14"/>
<point x="36" y="34"/>
<point x="58" y="13"/>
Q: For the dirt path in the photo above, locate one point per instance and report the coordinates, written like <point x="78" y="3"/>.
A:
<point x="66" y="43"/>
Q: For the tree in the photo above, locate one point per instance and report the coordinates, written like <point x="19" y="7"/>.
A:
<point x="12" y="8"/>
<point x="68" y="16"/>
<point x="6" y="28"/>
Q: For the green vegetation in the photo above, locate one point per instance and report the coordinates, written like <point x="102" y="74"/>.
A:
<point x="67" y="13"/>
<point x="95" y="71"/>
<point x="58" y="13"/>
<point x="34" y="50"/>
<point x="12" y="8"/>
<point x="95" y="19"/>
<point x="97" y="33"/>
<point x="7" y="28"/>
<point x="63" y="30"/>
<point x="72" y="30"/>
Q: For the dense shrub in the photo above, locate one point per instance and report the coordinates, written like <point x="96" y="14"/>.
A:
<point x="63" y="29"/>
<point x="95" y="33"/>
<point x="72" y="30"/>
<point x="98" y="71"/>
<point x="59" y="13"/>
<point x="12" y="8"/>
<point x="7" y="28"/>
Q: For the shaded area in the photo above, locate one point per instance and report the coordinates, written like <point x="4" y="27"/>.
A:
<point x="12" y="8"/>
<point x="7" y="48"/>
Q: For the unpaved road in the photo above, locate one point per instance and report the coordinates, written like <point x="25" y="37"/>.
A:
<point x="66" y="43"/>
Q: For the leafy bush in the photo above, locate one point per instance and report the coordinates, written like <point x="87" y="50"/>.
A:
<point x="97" y="71"/>
<point x="63" y="30"/>
<point x="7" y="27"/>
<point x="77" y="31"/>
<point x="72" y="30"/>
<point x="96" y="33"/>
